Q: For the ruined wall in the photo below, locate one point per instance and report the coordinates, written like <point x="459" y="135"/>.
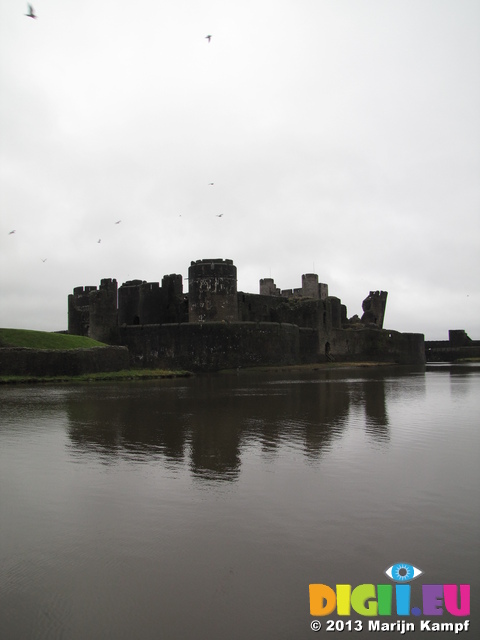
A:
<point x="212" y="291"/>
<point x="374" y="308"/>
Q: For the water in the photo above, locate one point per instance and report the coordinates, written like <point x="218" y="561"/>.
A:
<point x="204" y="507"/>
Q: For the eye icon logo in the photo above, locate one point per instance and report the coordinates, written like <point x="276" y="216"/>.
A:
<point x="402" y="572"/>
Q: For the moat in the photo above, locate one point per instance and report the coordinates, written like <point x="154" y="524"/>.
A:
<point x="204" y="507"/>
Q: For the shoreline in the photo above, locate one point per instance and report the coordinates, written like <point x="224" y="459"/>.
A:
<point x="162" y="374"/>
<point x="109" y="376"/>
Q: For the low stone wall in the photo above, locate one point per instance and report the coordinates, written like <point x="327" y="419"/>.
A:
<point x="17" y="361"/>
<point x="447" y="353"/>
<point x="212" y="346"/>
<point x="378" y="345"/>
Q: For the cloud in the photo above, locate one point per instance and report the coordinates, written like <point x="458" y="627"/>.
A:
<point x="342" y="137"/>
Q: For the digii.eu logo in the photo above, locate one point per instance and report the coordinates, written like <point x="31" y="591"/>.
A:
<point x="387" y="599"/>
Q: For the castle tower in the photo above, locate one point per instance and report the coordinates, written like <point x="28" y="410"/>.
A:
<point x="374" y="308"/>
<point x="268" y="288"/>
<point x="310" y="285"/>
<point x="212" y="291"/>
<point x="79" y="311"/>
<point x="129" y="302"/>
<point x="103" y="310"/>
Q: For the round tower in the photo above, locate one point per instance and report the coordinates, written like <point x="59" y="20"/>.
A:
<point x="103" y="311"/>
<point x="212" y="291"/>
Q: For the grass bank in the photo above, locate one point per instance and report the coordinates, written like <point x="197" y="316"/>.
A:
<point x="45" y="340"/>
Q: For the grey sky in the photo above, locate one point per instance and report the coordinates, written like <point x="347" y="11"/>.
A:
<point x="342" y="137"/>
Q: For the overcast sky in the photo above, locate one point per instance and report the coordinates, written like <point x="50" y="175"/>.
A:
<point x="342" y="138"/>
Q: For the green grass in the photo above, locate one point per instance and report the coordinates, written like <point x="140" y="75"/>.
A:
<point x="44" y="340"/>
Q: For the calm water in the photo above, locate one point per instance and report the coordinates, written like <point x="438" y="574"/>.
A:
<point x="204" y="507"/>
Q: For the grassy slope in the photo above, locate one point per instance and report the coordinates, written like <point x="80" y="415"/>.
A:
<point x="44" y="340"/>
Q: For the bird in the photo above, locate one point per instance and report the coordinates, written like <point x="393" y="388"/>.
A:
<point x="43" y="259"/>
<point x="118" y="222"/>
<point x="210" y="184"/>
<point x="208" y="38"/>
<point x="219" y="215"/>
<point x="99" y="240"/>
<point x="11" y="232"/>
<point x="31" y="12"/>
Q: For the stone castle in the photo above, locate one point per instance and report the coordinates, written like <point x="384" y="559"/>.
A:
<point x="214" y="326"/>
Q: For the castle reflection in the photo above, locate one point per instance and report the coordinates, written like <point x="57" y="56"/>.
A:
<point x="208" y="423"/>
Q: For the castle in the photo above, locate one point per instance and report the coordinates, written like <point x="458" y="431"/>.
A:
<point x="214" y="326"/>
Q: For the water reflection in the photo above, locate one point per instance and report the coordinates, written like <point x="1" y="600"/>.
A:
<point x="162" y="509"/>
<point x="208" y="422"/>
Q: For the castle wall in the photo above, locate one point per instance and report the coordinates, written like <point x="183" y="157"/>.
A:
<point x="141" y="302"/>
<point x="458" y="346"/>
<point x="264" y="308"/>
<point x="355" y="345"/>
<point x="16" y="361"/>
<point x="213" y="346"/>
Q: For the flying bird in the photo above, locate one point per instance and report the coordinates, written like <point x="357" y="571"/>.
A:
<point x="31" y="12"/>
<point x="43" y="260"/>
<point x="210" y="184"/>
<point x="99" y="240"/>
<point x="208" y="38"/>
<point x="10" y="232"/>
<point x="118" y="222"/>
<point x="219" y="215"/>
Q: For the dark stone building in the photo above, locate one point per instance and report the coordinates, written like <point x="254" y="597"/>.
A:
<point x="214" y="326"/>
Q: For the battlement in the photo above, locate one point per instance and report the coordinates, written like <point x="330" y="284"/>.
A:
<point x="211" y="260"/>
<point x="382" y="295"/>
<point x="81" y="290"/>
<point x="311" y="288"/>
